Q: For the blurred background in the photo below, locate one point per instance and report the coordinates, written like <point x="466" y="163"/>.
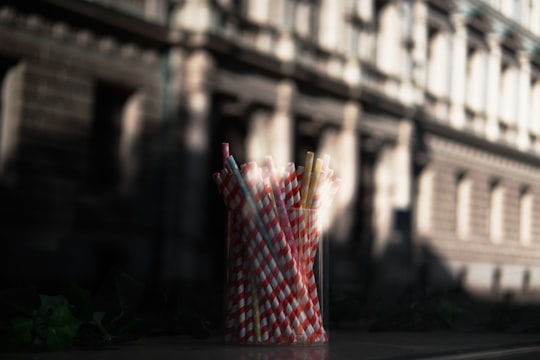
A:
<point x="112" y="115"/>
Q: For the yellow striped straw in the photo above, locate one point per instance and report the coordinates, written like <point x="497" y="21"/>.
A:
<point x="307" y="177"/>
<point x="256" y="312"/>
<point x="315" y="180"/>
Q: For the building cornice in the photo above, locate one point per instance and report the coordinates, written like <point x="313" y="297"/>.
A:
<point x="425" y="122"/>
<point x="100" y="19"/>
<point x="501" y="23"/>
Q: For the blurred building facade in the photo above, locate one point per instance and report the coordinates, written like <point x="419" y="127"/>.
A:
<point x="113" y="113"/>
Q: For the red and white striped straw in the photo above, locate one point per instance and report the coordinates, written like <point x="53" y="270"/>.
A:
<point x="267" y="271"/>
<point x="285" y="257"/>
<point x="266" y="209"/>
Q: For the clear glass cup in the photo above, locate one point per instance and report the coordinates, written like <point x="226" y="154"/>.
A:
<point x="276" y="289"/>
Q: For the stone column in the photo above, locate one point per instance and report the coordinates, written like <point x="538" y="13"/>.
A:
<point x="383" y="203"/>
<point x="281" y="124"/>
<point x="397" y="256"/>
<point x="343" y="146"/>
<point x="492" y="86"/>
<point x="459" y="62"/>
<point x="193" y="170"/>
<point x="524" y="89"/>
<point x="257" y="141"/>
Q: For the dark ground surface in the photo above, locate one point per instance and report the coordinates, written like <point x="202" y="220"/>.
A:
<point x="342" y="345"/>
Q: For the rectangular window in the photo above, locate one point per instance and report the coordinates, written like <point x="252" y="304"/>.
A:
<point x="525" y="216"/>
<point x="508" y="94"/>
<point x="425" y="201"/>
<point x="496" y="211"/>
<point x="463" y="206"/>
<point x="476" y="65"/>
<point x="389" y="36"/>
<point x="105" y="136"/>
<point x="437" y="68"/>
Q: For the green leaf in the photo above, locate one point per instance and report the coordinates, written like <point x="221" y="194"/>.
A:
<point x="17" y="334"/>
<point x="62" y="327"/>
<point x="41" y="315"/>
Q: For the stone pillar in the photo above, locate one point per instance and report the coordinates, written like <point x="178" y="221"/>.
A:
<point x="383" y="188"/>
<point x="397" y="257"/>
<point x="271" y="133"/>
<point x="281" y="125"/>
<point x="285" y="49"/>
<point x="343" y="146"/>
<point x="524" y="89"/>
<point x="258" y="141"/>
<point x="193" y="170"/>
<point x="459" y="62"/>
<point x="492" y="86"/>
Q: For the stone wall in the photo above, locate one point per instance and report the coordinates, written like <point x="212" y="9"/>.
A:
<point x="51" y="221"/>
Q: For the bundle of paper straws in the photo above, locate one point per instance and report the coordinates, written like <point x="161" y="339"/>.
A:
<point x="274" y="230"/>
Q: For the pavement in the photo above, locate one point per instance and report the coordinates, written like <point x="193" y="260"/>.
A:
<point x="342" y="345"/>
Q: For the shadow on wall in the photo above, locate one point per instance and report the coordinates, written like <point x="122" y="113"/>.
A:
<point x="55" y="229"/>
<point x="434" y="299"/>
